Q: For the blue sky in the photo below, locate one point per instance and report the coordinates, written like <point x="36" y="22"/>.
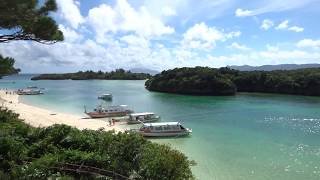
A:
<point x="154" y="34"/>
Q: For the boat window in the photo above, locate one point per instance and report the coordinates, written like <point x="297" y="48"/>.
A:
<point x="182" y="127"/>
<point x="158" y="128"/>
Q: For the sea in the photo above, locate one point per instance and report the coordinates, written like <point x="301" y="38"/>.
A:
<point x="249" y="136"/>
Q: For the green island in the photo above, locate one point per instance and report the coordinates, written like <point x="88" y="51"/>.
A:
<point x="63" y="152"/>
<point x="226" y="81"/>
<point x="118" y="74"/>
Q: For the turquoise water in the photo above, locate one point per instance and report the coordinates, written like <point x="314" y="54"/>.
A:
<point x="248" y="136"/>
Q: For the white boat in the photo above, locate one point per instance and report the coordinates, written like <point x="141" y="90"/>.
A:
<point x="145" y="117"/>
<point x="163" y="129"/>
<point x="106" y="97"/>
<point x="109" y="111"/>
<point x="29" y="92"/>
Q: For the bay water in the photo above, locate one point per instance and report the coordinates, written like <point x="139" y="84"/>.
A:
<point x="250" y="136"/>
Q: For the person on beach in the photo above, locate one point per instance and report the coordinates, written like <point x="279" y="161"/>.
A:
<point x="109" y="122"/>
<point x="113" y="122"/>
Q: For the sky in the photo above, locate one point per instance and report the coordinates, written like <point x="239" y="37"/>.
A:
<point x="164" y="34"/>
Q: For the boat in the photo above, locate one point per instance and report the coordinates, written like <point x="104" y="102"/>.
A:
<point x="163" y="129"/>
<point x="109" y="111"/>
<point x="106" y="97"/>
<point x="145" y="117"/>
<point x="32" y="87"/>
<point x="29" y="92"/>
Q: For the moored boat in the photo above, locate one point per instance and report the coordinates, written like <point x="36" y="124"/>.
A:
<point x="163" y="129"/>
<point x="109" y="111"/>
<point x="29" y="92"/>
<point x="145" y="117"/>
<point x="106" y="97"/>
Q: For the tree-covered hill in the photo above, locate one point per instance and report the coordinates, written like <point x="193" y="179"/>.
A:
<point x="226" y="81"/>
<point x="63" y="152"/>
<point x="198" y="80"/>
<point x="300" y="81"/>
<point x="118" y="74"/>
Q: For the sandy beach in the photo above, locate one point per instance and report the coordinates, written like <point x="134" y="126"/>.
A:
<point x="39" y="117"/>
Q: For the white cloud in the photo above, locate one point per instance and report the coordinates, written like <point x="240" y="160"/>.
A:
<point x="268" y="6"/>
<point x="272" y="48"/>
<point x="69" y="11"/>
<point x="238" y="46"/>
<point x="283" y="25"/>
<point x="200" y="36"/>
<point x="134" y="51"/>
<point x="167" y="11"/>
<point x="296" y="29"/>
<point x="242" y="13"/>
<point x="266" y="24"/>
<point x="69" y="34"/>
<point x="133" y="40"/>
<point x="124" y="18"/>
<point x="305" y="43"/>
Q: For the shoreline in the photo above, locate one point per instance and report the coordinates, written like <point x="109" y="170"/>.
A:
<point x="41" y="117"/>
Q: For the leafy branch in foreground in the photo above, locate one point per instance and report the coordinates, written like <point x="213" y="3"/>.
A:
<point x="25" y="20"/>
<point x="7" y="66"/>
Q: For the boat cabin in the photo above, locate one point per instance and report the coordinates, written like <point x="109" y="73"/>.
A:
<point x="107" y="97"/>
<point x="163" y="126"/>
<point x="164" y="129"/>
<point x="142" y="117"/>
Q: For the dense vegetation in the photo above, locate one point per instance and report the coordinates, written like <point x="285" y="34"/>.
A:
<point x="225" y="81"/>
<point x="118" y="74"/>
<point x="29" y="20"/>
<point x="7" y="66"/>
<point x="301" y="81"/>
<point x="61" y="151"/>
<point x="198" y="80"/>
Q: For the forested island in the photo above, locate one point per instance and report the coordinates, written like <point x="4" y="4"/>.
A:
<point x="7" y="66"/>
<point x="226" y="81"/>
<point x="118" y="74"/>
<point x="64" y="152"/>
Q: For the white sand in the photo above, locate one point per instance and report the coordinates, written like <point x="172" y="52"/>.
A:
<point x="39" y="117"/>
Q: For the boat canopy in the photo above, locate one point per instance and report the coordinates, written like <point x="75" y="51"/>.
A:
<point x="142" y="114"/>
<point x="163" y="124"/>
<point x="107" y="94"/>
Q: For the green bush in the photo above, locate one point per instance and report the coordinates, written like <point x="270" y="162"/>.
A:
<point x="63" y="152"/>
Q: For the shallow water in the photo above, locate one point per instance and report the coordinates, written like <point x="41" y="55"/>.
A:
<point x="248" y="136"/>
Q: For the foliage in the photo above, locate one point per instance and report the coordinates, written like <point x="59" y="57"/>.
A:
<point x="27" y="20"/>
<point x="63" y="152"/>
<point x="198" y="80"/>
<point x="225" y="81"/>
<point x="301" y="81"/>
<point x="118" y="74"/>
<point x="6" y="66"/>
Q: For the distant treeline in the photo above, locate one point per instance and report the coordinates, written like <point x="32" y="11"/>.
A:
<point x="64" y="152"/>
<point x="226" y="81"/>
<point x="118" y="74"/>
<point x="7" y="66"/>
